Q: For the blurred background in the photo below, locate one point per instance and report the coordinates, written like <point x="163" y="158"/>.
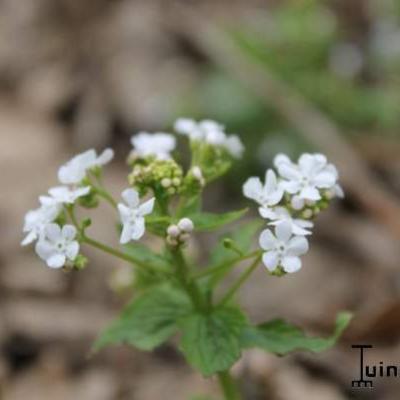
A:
<point x="287" y="76"/>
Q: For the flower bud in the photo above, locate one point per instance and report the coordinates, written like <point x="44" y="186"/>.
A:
<point x="173" y="231"/>
<point x="297" y="202"/>
<point x="166" y="182"/>
<point x="186" y="225"/>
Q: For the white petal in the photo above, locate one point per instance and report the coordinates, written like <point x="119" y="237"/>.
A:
<point x="283" y="231"/>
<point x="291" y="187"/>
<point x="147" y="207"/>
<point x="324" y="180"/>
<point x="267" y="240"/>
<point x="56" y="261"/>
<point x="267" y="213"/>
<point x="281" y="159"/>
<point x="81" y="191"/>
<point x="53" y="232"/>
<point x="105" y="157"/>
<point x="291" y="264"/>
<point x="253" y="188"/>
<point x="59" y="192"/>
<point x="68" y="232"/>
<point x="310" y="193"/>
<point x="297" y="246"/>
<point x="299" y="230"/>
<point x="138" y="229"/>
<point x="270" y="181"/>
<point x="339" y="191"/>
<point x="124" y="212"/>
<point x="131" y="197"/>
<point x="185" y="126"/>
<point x="29" y="238"/>
<point x="126" y="234"/>
<point x="289" y="171"/>
<point x="44" y="249"/>
<point x="275" y="197"/>
<point x="270" y="260"/>
<point x="72" y="250"/>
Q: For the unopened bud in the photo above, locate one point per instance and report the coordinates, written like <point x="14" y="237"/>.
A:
<point x="297" y="203"/>
<point x="166" y="182"/>
<point x="173" y="231"/>
<point x="307" y="213"/>
<point x="186" y="225"/>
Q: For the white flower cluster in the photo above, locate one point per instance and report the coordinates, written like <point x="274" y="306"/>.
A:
<point x="179" y="234"/>
<point x="56" y="245"/>
<point x="160" y="145"/>
<point x="210" y="132"/>
<point x="288" y="201"/>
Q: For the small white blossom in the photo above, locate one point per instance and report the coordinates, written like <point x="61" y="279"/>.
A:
<point x="179" y="234"/>
<point x="173" y="231"/>
<point x="63" y="195"/>
<point x="159" y="145"/>
<point x="58" y="245"/>
<point x="210" y="132"/>
<point x="74" y="171"/>
<point x="306" y="178"/>
<point x="132" y="215"/>
<point x="36" y="221"/>
<point x="283" y="249"/>
<point x="266" y="195"/>
<point x="278" y="215"/>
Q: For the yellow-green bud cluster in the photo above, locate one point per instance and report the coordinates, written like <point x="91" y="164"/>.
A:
<point x="164" y="176"/>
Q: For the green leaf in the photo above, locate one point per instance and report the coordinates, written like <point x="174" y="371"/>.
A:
<point x="280" y="337"/>
<point x="146" y="256"/>
<point x="149" y="320"/>
<point x="204" y="221"/>
<point x="191" y="205"/>
<point x="211" y="342"/>
<point x="158" y="224"/>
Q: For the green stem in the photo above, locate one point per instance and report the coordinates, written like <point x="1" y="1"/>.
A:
<point x="228" y="386"/>
<point x="223" y="265"/>
<point x="105" y="195"/>
<point x="123" y="256"/>
<point x="242" y="279"/>
<point x="190" y="286"/>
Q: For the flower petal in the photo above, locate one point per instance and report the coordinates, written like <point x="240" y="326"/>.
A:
<point x="310" y="193"/>
<point x="270" y="260"/>
<point x="283" y="231"/>
<point x="56" y="261"/>
<point x="147" y="207"/>
<point x="29" y="238"/>
<point x="270" y="181"/>
<point x="253" y="188"/>
<point x="289" y="171"/>
<point x="138" y="229"/>
<point x="68" y="232"/>
<point x="267" y="213"/>
<point x="126" y="234"/>
<point x="124" y="212"/>
<point x="105" y="157"/>
<point x="131" y="197"/>
<point x="44" y="249"/>
<point x="291" y="264"/>
<point x="53" y="232"/>
<point x="297" y="246"/>
<point x="267" y="240"/>
<point x="324" y="180"/>
<point x="72" y="250"/>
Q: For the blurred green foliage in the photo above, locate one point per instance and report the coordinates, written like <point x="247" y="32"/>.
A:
<point x="353" y="79"/>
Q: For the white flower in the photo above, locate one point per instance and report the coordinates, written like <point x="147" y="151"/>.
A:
<point x="63" y="195"/>
<point x="132" y="215"/>
<point x="283" y="249"/>
<point x="75" y="170"/>
<point x="37" y="220"/>
<point x="159" y="145"/>
<point x="210" y="132"/>
<point x="308" y="176"/>
<point x="198" y="175"/>
<point x="58" y="245"/>
<point x="267" y="195"/>
<point x="278" y="215"/>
